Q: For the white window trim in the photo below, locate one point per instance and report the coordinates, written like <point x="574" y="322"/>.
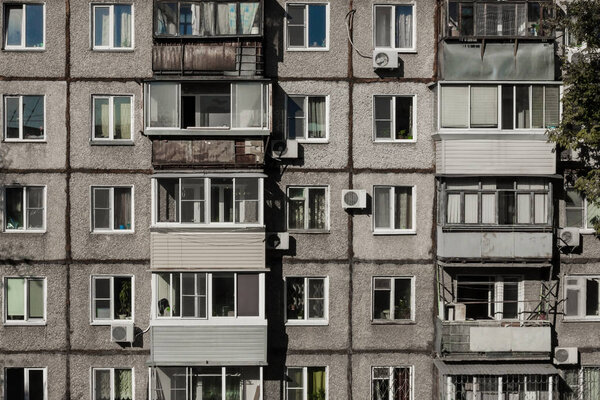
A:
<point x="111" y="116"/>
<point x="498" y="283"/>
<point x="306" y="208"/>
<point x="20" y="138"/>
<point x="22" y="46"/>
<point x="109" y="321"/>
<point x="111" y="23"/>
<point x="26" y="321"/>
<point x="412" y="299"/>
<point x="306" y="139"/>
<point x="112" y="229"/>
<point x="391" y="369"/>
<point x="581" y="298"/>
<point x="306" y="320"/>
<point x="412" y="49"/>
<point x="306" y="47"/>
<point x="25" y="229"/>
<point x="207" y="208"/>
<point x="393" y="111"/>
<point x="499" y="128"/>
<point x="392" y="231"/>
<point x="305" y="380"/>
<point x="26" y="379"/>
<point x="209" y="319"/>
<point x="585" y="229"/>
<point x="112" y="380"/>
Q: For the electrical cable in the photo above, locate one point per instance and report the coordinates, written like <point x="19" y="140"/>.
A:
<point x="348" y="20"/>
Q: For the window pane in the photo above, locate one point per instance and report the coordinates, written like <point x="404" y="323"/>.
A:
<point x="574" y="206"/>
<point x="466" y="20"/>
<point x="14" y="24"/>
<point x="471" y="208"/>
<point x="296" y="214"/>
<point x="404" y="118"/>
<point x="511" y="298"/>
<point x="102" y="297"/>
<point x="455" y="100"/>
<point x="383" y="117"/>
<point x="166" y="18"/>
<point x="12" y="117"/>
<point x="33" y="117"/>
<point x="402" y="298"/>
<point x="507" y="107"/>
<point x="404" y="27"/>
<point x="537" y="106"/>
<point x="381" y="303"/>
<point x="541" y="208"/>
<point x="572" y="302"/>
<point x="247" y="105"/>
<point x="506" y="208"/>
<point x="593" y="214"/>
<point x="295" y="298"/>
<point x="317" y="25"/>
<point x="167" y="207"/>
<point x="246" y="200"/>
<point x="592" y="298"/>
<point x="122" y="117"/>
<point x="14" y="208"/>
<point x="250" y="17"/>
<point x="122" y="208"/>
<point x="35" y="207"/>
<point x="523" y="208"/>
<point x="317" y="207"/>
<point x="163" y="290"/>
<point x="164" y="105"/>
<point x="36" y="384"/>
<point x="192" y="200"/>
<point x="223" y="295"/>
<point x="382" y="207"/>
<point x="36" y="298"/>
<point x="101" y="208"/>
<point x="317" y="381"/>
<point x="316" y="298"/>
<point x="123" y="384"/>
<point x="317" y="117"/>
<point x="15" y="299"/>
<point x="34" y="25"/>
<point x="454" y="208"/>
<point x="15" y="383"/>
<point x="221" y="200"/>
<point x="295" y="378"/>
<point x="102" y="384"/>
<point x="552" y="105"/>
<point x="213" y="108"/>
<point x="101" y="26"/>
<point x="122" y="297"/>
<point x="123" y="27"/>
<point x="248" y="295"/>
<point x="484" y="106"/>
<point x="101" y="118"/>
<point x="522" y="106"/>
<point x="383" y="25"/>
<point x="403" y="208"/>
<point x="296" y="117"/>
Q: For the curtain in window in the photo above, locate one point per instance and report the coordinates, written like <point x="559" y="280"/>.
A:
<point x="226" y="18"/>
<point x="316" y="117"/>
<point x="123" y="27"/>
<point x="295" y="298"/>
<point x="591" y="383"/>
<point x="246" y="200"/>
<point x="122" y="117"/>
<point x="208" y="22"/>
<point x="196" y="19"/>
<point x="15" y="298"/>
<point x="537" y="106"/>
<point x="316" y="207"/>
<point x="488" y="208"/>
<point x="102" y="387"/>
<point x="523" y="208"/>
<point x="103" y="27"/>
<point x="404" y="27"/>
<point x="403" y="199"/>
<point x="484" y="106"/>
<point x="163" y="105"/>
<point x="36" y="298"/>
<point x="316" y="383"/>
<point x="101" y="111"/>
<point x="383" y="25"/>
<point x="123" y="384"/>
<point x="296" y="209"/>
<point x="471" y="208"/>
<point x="249" y="18"/>
<point x="246" y="105"/>
<point x="166" y="18"/>
<point x="453" y="209"/>
<point x="122" y="211"/>
<point x="14" y="16"/>
<point x="35" y="207"/>
<point x="382" y="207"/>
<point x="552" y="106"/>
<point x="541" y="208"/>
<point x="455" y="100"/>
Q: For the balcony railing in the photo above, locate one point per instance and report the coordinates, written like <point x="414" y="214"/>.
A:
<point x="202" y="153"/>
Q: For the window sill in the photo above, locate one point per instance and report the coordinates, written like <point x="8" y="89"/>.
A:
<point x="24" y="49"/>
<point x="108" y="50"/>
<point x="398" y="50"/>
<point x="41" y="323"/>
<point x="305" y="49"/>
<point x="394" y="232"/>
<point x="312" y="141"/>
<point x="394" y="322"/>
<point x="111" y="322"/>
<point x="303" y="231"/>
<point x="391" y="141"/>
<point x="578" y="320"/>
<point x="308" y="323"/>
<point x="17" y="231"/>
<point x="496" y="228"/>
<point x="114" y="232"/>
<point x="25" y="141"/>
<point x="112" y="143"/>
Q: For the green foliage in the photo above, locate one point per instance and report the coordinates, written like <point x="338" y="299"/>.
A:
<point x="579" y="128"/>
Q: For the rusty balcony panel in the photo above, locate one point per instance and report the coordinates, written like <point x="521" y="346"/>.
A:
<point x="201" y="152"/>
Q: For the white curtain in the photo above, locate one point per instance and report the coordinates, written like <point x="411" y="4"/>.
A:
<point x="455" y="100"/>
<point x="488" y="208"/>
<point x="102" y="384"/>
<point x="552" y="94"/>
<point x="248" y="14"/>
<point x="383" y="25"/>
<point x="541" y="208"/>
<point x="316" y="117"/>
<point x="382" y="207"/>
<point x="208" y="22"/>
<point x="246" y="105"/>
<point x="101" y="112"/>
<point x="196" y="19"/>
<point x="453" y="213"/>
<point x="403" y="217"/>
<point x="122" y="117"/>
<point x="123" y="381"/>
<point x="523" y="208"/>
<point x="226" y="16"/>
<point x="404" y="27"/>
<point x="484" y="106"/>
<point x="471" y="208"/>
<point x="15" y="298"/>
<point x="126" y="28"/>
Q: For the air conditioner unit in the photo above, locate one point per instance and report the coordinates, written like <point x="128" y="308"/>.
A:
<point x="385" y="59"/>
<point x="568" y="237"/>
<point x="278" y="240"/>
<point x="566" y="355"/>
<point x="121" y="332"/>
<point x="569" y="155"/>
<point x="284" y="149"/>
<point x="354" y="198"/>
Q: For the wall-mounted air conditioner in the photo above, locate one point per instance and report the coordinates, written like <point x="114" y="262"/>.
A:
<point x="278" y="240"/>
<point x="568" y="237"/>
<point x="284" y="149"/>
<point x="385" y="59"/>
<point x="566" y="355"/>
<point x="354" y="199"/>
<point x="121" y="332"/>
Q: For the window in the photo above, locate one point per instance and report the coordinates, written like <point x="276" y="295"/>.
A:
<point x="207" y="19"/>
<point x="25" y="208"/>
<point x="490" y="297"/>
<point x="306" y="383"/>
<point x="391" y="383"/>
<point x="208" y="105"/>
<point x="308" y="208"/>
<point x="498" y="201"/>
<point x="306" y="299"/>
<point x="113" y="383"/>
<point x="394" y="26"/>
<point x="394" y="209"/>
<point x="25" y="300"/>
<point x="393" y="299"/>
<point x="307" y="118"/>
<point x="307" y="26"/>
<point x="583" y="383"/>
<point x="394" y="118"/>
<point x="506" y="107"/>
<point x="582" y="297"/>
<point x="208" y="295"/>
<point x="113" y="27"/>
<point x="112" y="209"/>
<point x="24" y="118"/>
<point x="113" y="119"/>
<point x="580" y="212"/>
<point x="24" y="26"/>
<point x="112" y="298"/>
<point x="25" y="383"/>
<point x="538" y="387"/>
<point x="209" y="201"/>
<point x="213" y="383"/>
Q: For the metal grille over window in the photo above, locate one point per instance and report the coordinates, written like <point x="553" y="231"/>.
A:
<point x="391" y="383"/>
<point x="484" y="387"/>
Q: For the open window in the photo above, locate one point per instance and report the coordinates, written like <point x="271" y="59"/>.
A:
<point x="25" y="383"/>
<point x="490" y="297"/>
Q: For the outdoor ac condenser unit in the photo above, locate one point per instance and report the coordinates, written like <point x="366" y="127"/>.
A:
<point x="354" y="199"/>
<point x="568" y="237"/>
<point x="284" y="149"/>
<point x="121" y="332"/>
<point x="385" y="59"/>
<point x="565" y="355"/>
<point x="278" y="240"/>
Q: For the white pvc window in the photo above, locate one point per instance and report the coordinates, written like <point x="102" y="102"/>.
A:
<point x="112" y="209"/>
<point x="391" y="383"/>
<point x="112" y="118"/>
<point x="394" y="209"/>
<point x="25" y="383"/>
<point x="24" y="26"/>
<point x="306" y="300"/>
<point x="582" y="297"/>
<point x="393" y="298"/>
<point x="394" y="26"/>
<point x="25" y="208"/>
<point x="112" y="298"/>
<point x="394" y="118"/>
<point x="112" y="27"/>
<point x="308" y="208"/>
<point x="306" y="383"/>
<point x="113" y="384"/>
<point x="307" y="118"/>
<point x="579" y="212"/>
<point x="24" y="118"/>
<point x="24" y="300"/>
<point x="307" y="26"/>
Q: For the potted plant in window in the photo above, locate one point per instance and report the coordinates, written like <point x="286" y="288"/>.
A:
<point x="125" y="301"/>
<point x="403" y="309"/>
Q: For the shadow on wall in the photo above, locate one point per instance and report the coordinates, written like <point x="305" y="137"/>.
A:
<point x="274" y="46"/>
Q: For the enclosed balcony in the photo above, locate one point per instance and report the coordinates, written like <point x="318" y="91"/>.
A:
<point x="184" y="153"/>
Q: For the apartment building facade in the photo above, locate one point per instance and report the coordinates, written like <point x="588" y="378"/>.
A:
<point x="288" y="200"/>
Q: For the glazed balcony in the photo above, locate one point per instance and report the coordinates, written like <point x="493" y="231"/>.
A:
<point x="208" y="153"/>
